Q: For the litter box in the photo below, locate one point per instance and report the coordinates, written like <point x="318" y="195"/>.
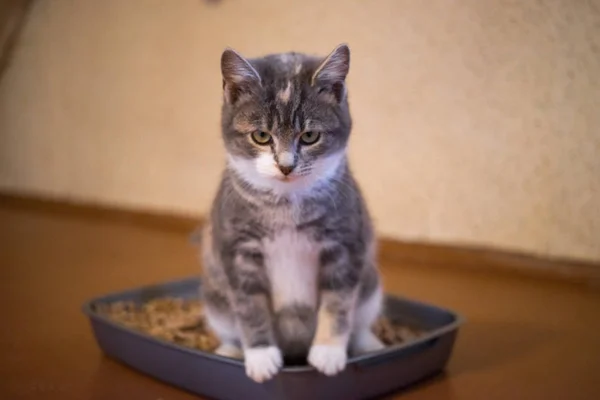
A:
<point x="212" y="376"/>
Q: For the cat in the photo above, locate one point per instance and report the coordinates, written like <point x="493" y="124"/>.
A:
<point x="289" y="249"/>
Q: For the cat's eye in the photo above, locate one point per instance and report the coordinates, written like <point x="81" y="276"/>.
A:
<point x="261" y="138"/>
<point x="310" y="137"/>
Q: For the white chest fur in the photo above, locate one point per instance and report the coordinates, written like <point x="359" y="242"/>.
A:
<point x="291" y="260"/>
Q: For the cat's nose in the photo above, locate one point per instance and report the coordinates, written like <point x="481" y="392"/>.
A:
<point x="285" y="169"/>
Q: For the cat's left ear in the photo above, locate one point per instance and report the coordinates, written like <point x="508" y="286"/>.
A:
<point x="239" y="76"/>
<point x="330" y="76"/>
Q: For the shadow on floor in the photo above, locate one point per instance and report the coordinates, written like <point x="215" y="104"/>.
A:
<point x="443" y="388"/>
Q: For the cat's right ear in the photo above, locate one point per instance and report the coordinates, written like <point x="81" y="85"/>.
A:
<point x="239" y="76"/>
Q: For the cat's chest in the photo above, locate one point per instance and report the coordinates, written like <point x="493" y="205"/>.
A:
<point x="292" y="263"/>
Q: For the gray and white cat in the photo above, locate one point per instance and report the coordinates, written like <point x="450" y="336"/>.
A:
<point x="289" y="249"/>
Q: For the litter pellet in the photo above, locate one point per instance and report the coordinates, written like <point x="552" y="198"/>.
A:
<point x="182" y="321"/>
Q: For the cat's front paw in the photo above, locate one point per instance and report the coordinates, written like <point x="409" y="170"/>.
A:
<point x="262" y="363"/>
<point x="328" y="359"/>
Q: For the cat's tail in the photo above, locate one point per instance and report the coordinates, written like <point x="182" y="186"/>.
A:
<point x="295" y="327"/>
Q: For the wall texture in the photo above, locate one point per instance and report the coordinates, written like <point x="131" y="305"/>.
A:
<point x="476" y="122"/>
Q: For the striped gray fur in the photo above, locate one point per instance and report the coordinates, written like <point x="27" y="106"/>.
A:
<point x="289" y="250"/>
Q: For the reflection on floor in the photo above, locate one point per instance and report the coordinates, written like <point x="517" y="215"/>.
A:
<point x="524" y="339"/>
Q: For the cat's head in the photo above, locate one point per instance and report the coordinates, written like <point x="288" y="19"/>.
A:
<point x="285" y="118"/>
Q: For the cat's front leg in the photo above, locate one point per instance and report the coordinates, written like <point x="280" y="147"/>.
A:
<point x="262" y="357"/>
<point x="338" y="286"/>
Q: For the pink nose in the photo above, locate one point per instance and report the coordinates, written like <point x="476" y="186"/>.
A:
<point x="286" y="170"/>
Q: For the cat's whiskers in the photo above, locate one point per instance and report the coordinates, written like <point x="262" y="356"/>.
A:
<point x="345" y="185"/>
<point x="328" y="193"/>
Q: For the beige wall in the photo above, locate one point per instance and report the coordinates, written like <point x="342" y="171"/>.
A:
<point x="476" y="121"/>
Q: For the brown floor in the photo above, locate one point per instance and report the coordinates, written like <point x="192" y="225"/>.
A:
<point x="524" y="339"/>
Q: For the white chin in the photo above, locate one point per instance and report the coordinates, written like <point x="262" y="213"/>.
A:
<point x="262" y="174"/>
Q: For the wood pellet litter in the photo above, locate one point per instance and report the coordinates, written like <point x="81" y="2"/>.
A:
<point x="181" y="321"/>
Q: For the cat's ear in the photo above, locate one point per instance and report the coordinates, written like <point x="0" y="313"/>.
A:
<point x="239" y="76"/>
<point x="330" y="76"/>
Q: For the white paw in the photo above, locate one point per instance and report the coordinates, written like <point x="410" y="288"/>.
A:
<point x="229" y="350"/>
<point x="262" y="363"/>
<point x="365" y="342"/>
<point x="328" y="359"/>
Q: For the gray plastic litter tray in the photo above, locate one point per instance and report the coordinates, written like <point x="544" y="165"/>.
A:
<point x="216" y="377"/>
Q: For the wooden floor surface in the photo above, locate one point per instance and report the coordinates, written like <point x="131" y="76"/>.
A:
<point x="524" y="339"/>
